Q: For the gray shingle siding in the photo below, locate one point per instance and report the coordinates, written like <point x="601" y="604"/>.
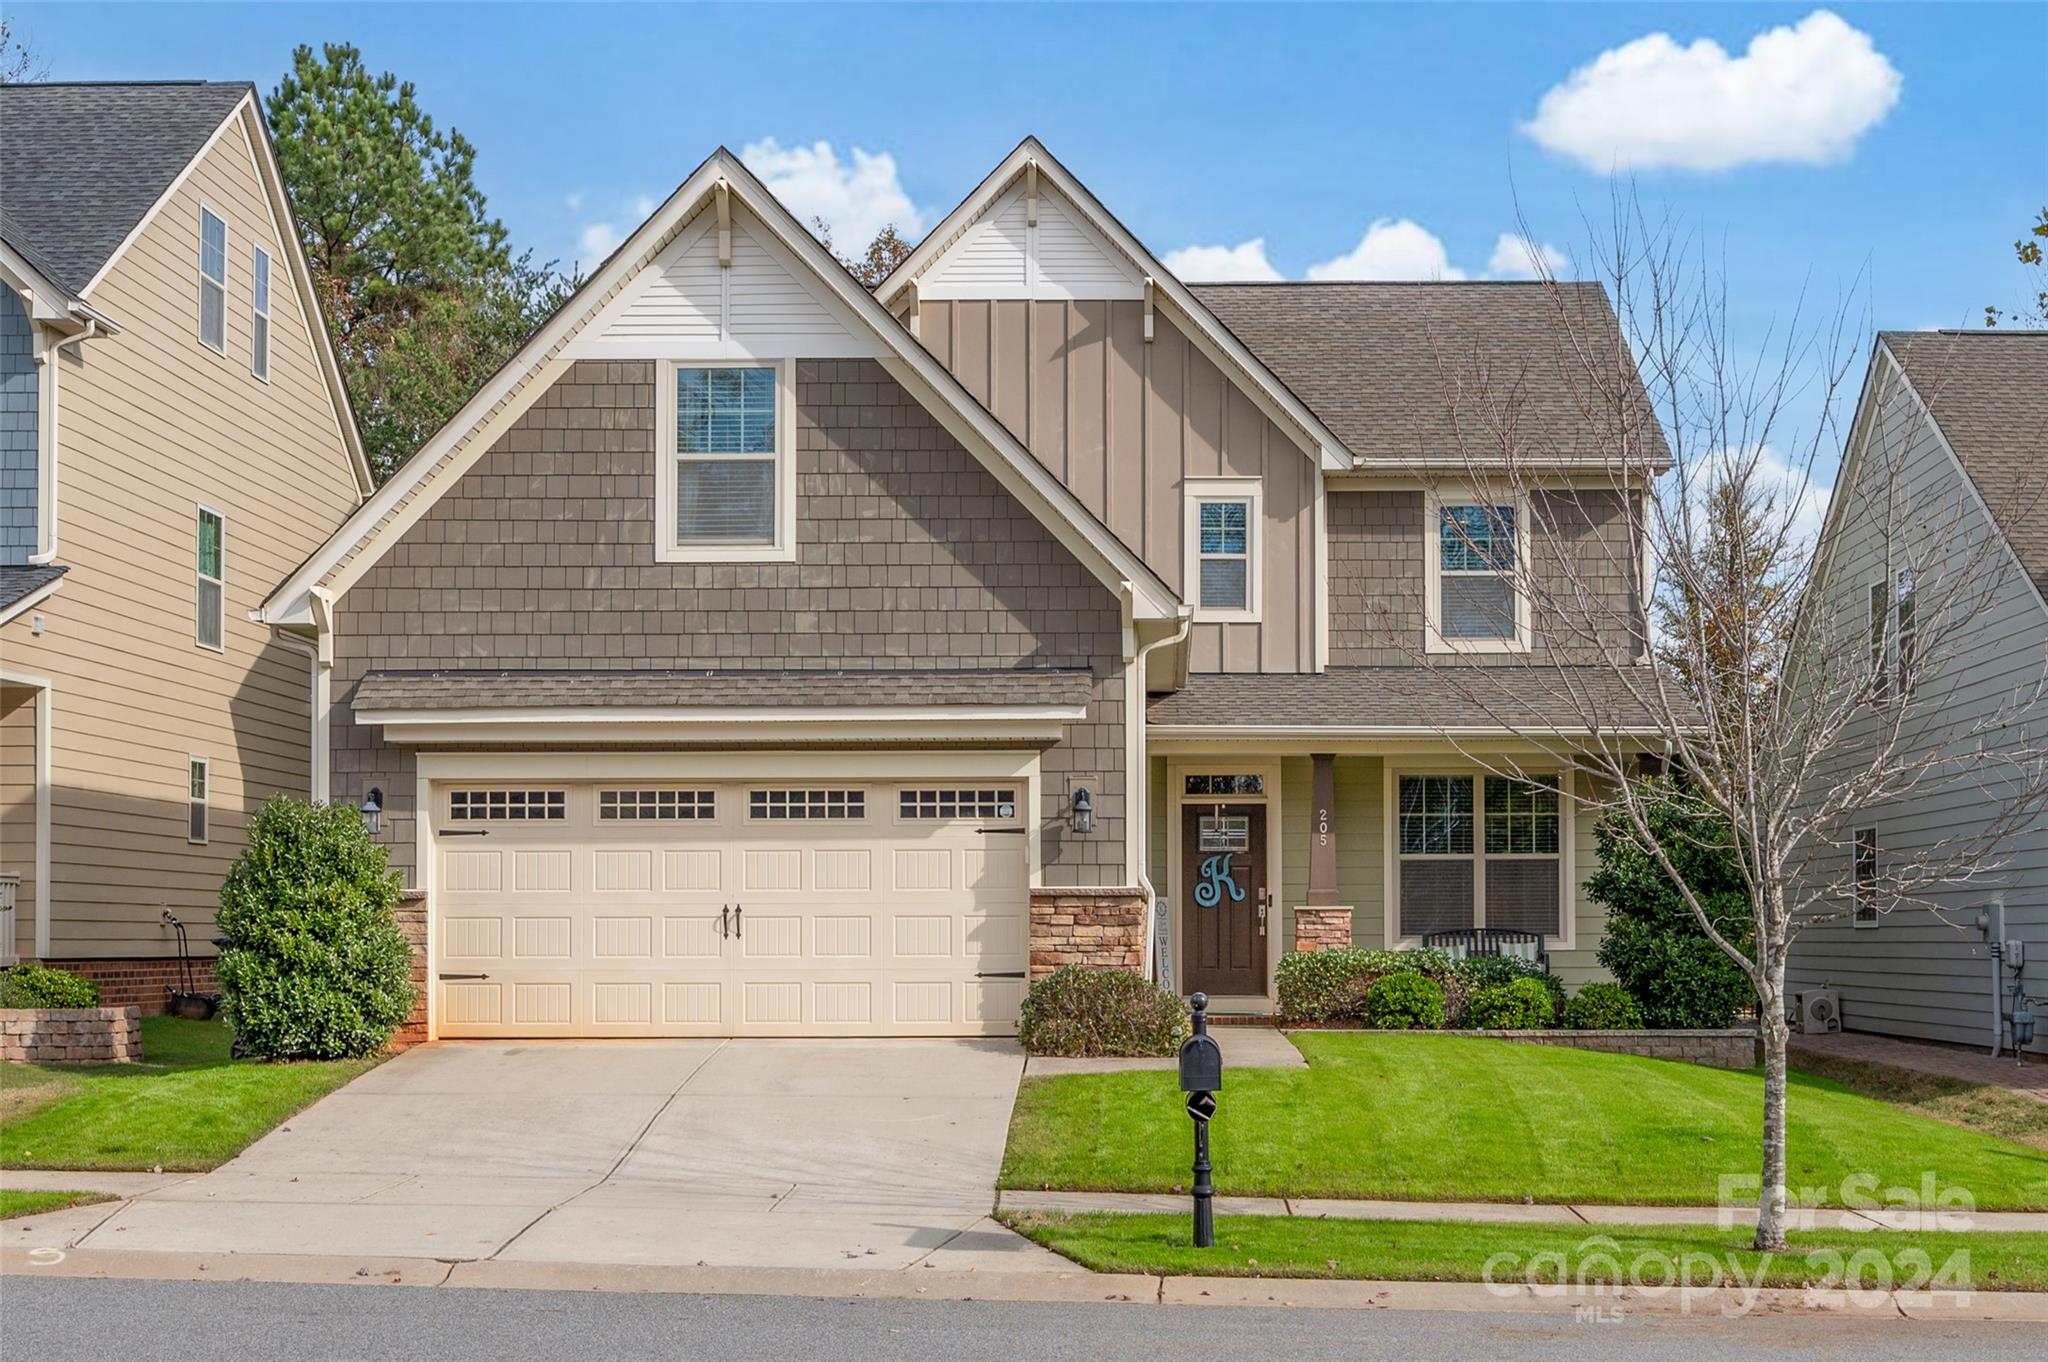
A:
<point x="1378" y="579"/>
<point x="18" y="435"/>
<point x="909" y="556"/>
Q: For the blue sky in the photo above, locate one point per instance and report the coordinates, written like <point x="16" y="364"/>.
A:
<point x="1898" y="143"/>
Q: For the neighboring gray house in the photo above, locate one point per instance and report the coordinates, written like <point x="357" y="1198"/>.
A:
<point x="1946" y="472"/>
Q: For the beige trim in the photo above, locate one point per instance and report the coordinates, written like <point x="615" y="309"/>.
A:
<point x="1433" y="503"/>
<point x="1251" y="492"/>
<point x="46" y="703"/>
<point x="457" y="445"/>
<point x="1265" y="764"/>
<point x="667" y="548"/>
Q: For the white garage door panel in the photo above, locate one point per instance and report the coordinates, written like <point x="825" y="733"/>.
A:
<point x="729" y="925"/>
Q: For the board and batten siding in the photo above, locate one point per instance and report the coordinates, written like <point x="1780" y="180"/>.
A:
<point x="1920" y="972"/>
<point x="153" y="423"/>
<point x="1124" y="423"/>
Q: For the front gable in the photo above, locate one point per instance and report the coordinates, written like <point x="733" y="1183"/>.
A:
<point x="1032" y="244"/>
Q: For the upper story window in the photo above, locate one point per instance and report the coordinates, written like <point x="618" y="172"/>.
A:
<point x="1222" y="558"/>
<point x="1863" y="881"/>
<point x="259" y="314"/>
<point x="726" y="482"/>
<point x="1476" y="599"/>
<point x="210" y="597"/>
<point x="1880" y="634"/>
<point x="213" y="280"/>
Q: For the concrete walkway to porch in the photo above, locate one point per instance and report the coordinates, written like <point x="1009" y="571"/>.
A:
<point x="1521" y="1213"/>
<point x="1244" y="1047"/>
<point x="1947" y="1061"/>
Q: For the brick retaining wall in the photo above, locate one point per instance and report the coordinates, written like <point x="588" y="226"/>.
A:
<point x="1094" y="928"/>
<point x="143" y="983"/>
<point x="1720" y="1049"/>
<point x="71" y="1035"/>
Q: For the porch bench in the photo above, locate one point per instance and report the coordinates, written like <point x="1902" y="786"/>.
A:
<point x="1507" y="941"/>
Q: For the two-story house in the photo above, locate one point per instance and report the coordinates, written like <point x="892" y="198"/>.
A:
<point x="1933" y="575"/>
<point x="756" y="654"/>
<point x="174" y="440"/>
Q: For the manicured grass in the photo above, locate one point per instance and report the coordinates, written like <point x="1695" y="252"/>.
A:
<point x="1449" y="1118"/>
<point x="14" y="1202"/>
<point x="1458" y="1251"/>
<point x="1974" y="1106"/>
<point x="187" y="1107"/>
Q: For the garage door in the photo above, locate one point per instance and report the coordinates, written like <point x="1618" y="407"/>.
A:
<point x="714" y="909"/>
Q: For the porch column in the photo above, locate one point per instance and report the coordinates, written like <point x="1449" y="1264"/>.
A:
<point x="1321" y="923"/>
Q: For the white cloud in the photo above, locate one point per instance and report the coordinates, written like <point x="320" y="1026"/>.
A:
<point x="1802" y="94"/>
<point x="597" y="241"/>
<point x="1243" y="263"/>
<point x="1520" y="257"/>
<point x="1392" y="248"/>
<point x="857" y="197"/>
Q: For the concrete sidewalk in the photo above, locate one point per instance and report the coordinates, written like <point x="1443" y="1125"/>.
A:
<point x="1508" y="1212"/>
<point x="1244" y="1047"/>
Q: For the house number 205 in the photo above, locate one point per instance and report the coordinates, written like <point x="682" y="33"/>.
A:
<point x="1322" y="827"/>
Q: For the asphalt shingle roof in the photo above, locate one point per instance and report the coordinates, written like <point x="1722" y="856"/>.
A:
<point x="81" y="163"/>
<point x="18" y="581"/>
<point x="1988" y="391"/>
<point x="1411" y="698"/>
<point x="1438" y="372"/>
<point x="461" y="690"/>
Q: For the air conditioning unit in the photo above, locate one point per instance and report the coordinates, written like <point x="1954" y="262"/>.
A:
<point x="1817" y="1009"/>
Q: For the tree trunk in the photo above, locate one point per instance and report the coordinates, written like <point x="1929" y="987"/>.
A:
<point x="1771" y="1027"/>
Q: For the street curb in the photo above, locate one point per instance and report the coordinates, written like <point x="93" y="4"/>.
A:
<point x="1077" y="1286"/>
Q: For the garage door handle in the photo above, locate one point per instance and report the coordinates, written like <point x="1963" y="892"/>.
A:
<point x="1002" y="832"/>
<point x="737" y="929"/>
<point x="465" y="976"/>
<point x="999" y="974"/>
<point x="464" y="832"/>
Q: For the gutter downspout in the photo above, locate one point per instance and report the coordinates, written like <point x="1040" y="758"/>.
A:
<point x="46" y="348"/>
<point x="1138" y="775"/>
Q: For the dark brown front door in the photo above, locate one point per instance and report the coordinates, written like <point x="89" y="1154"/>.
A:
<point x="1223" y="874"/>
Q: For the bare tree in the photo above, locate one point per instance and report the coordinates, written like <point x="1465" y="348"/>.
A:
<point x="1733" y="656"/>
<point x="18" y="59"/>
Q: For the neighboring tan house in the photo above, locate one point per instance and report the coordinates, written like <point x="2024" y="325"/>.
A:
<point x="174" y="441"/>
<point x="1944" y="496"/>
<point x="758" y="655"/>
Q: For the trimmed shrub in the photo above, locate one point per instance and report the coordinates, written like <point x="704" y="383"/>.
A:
<point x="1654" y="946"/>
<point x="1085" y="1013"/>
<point x="1476" y="973"/>
<point x="1602" y="1007"/>
<point x="1405" y="1002"/>
<point x="1325" y="986"/>
<point x="314" y="966"/>
<point x="29" y="984"/>
<point x="1519" y="1005"/>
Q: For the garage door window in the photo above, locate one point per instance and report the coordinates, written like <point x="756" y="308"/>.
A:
<point x="939" y="804"/>
<point x="626" y="806"/>
<point x="507" y="806"/>
<point x="789" y="805"/>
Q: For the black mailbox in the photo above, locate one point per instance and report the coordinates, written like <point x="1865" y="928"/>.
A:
<point x="1201" y="1059"/>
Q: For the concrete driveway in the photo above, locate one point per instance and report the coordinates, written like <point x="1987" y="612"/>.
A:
<point x="744" y="1153"/>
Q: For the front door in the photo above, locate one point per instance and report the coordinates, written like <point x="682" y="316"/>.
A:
<point x="1223" y="853"/>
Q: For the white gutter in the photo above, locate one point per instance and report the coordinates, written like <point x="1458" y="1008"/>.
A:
<point x="1138" y="772"/>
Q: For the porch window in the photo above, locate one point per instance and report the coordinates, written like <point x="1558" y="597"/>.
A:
<point x="1476" y="601"/>
<point x="1508" y="873"/>
<point x="726" y="481"/>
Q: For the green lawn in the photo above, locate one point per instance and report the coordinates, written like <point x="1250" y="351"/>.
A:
<point x="186" y="1108"/>
<point x="1458" y="1251"/>
<point x="14" y="1202"/>
<point x="1447" y="1118"/>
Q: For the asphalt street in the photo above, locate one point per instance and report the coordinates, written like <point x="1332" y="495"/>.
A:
<point x="59" y="1320"/>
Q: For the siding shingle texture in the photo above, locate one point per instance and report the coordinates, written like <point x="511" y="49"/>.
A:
<point x="19" y="445"/>
<point x="910" y="556"/>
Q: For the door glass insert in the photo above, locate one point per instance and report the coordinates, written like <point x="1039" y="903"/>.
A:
<point x="1224" y="832"/>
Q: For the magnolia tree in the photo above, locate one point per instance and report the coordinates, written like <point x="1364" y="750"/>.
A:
<point x="1692" y="615"/>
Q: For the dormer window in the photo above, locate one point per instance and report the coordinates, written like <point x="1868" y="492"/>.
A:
<point x="1477" y="600"/>
<point x="1222" y="551"/>
<point x="726" y="484"/>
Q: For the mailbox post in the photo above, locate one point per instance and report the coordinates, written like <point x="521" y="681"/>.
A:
<point x="1201" y="1077"/>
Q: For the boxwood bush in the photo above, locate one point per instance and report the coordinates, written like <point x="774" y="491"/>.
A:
<point x="314" y="966"/>
<point x="1602" y="1007"/>
<point x="1330" y="986"/>
<point x="1405" y="1002"/>
<point x="29" y="984"/>
<point x="1523" y="1004"/>
<point x="1085" y="1013"/>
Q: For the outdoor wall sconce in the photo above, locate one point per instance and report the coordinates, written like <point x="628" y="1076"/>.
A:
<point x="1083" y="817"/>
<point x="373" y="811"/>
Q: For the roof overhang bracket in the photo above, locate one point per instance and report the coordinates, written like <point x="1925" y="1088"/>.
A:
<point x="1031" y="193"/>
<point x="722" y="192"/>
<point x="1150" y="289"/>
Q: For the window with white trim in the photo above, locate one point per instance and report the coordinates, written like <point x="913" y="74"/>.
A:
<point x="259" y="313"/>
<point x="1499" y="864"/>
<point x="198" y="780"/>
<point x="209" y="625"/>
<point x="726" y="482"/>
<point x="508" y="806"/>
<point x="1905" y="633"/>
<point x="1476" y="599"/>
<point x="1863" y="878"/>
<point x="213" y="280"/>
<point x="1222" y="554"/>
<point x="1880" y="618"/>
<point x="666" y="806"/>
<point x="793" y="805"/>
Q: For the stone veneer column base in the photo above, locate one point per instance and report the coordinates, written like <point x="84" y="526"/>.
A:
<point x="411" y="913"/>
<point x="1322" y="929"/>
<point x="1093" y="927"/>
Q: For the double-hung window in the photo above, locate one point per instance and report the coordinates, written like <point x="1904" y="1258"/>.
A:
<point x="1476" y="600"/>
<point x="1905" y="632"/>
<point x="726" y="482"/>
<point x="259" y="314"/>
<point x="198" y="780"/>
<point x="213" y="280"/>
<point x="1479" y="851"/>
<point x="1880" y="619"/>
<point x="1863" y="878"/>
<point x="209" y="625"/>
<point x="1222" y="558"/>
